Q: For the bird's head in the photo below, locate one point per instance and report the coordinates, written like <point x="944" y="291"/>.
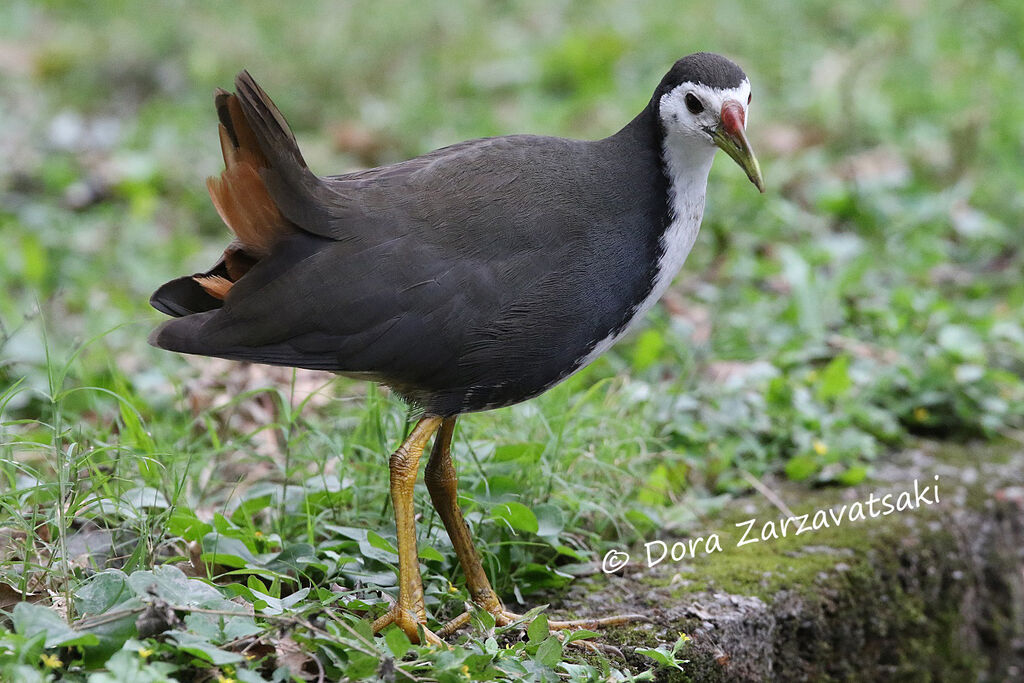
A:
<point x="703" y="100"/>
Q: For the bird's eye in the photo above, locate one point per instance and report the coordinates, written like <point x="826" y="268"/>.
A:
<point x="693" y="104"/>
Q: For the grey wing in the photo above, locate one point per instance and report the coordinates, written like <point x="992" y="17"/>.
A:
<point x="393" y="275"/>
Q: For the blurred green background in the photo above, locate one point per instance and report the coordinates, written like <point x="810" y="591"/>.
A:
<point x="873" y="296"/>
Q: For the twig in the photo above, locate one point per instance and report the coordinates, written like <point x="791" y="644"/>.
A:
<point x="772" y="497"/>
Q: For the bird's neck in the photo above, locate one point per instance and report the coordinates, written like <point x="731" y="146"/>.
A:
<point x="682" y="177"/>
<point x="686" y="164"/>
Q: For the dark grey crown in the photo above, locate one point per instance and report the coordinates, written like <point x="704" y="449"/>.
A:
<point x="705" y="68"/>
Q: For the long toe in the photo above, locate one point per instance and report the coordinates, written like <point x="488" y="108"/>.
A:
<point x="410" y="624"/>
<point x="504" y="617"/>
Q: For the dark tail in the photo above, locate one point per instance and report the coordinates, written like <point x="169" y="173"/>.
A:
<point x="296" y="190"/>
<point x="263" y="171"/>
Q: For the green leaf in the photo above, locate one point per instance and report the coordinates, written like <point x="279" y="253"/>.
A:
<point x="376" y="547"/>
<point x="550" y="520"/>
<point x="183" y="522"/>
<point x="549" y="653"/>
<point x="397" y="642"/>
<point x="103" y="592"/>
<point x="126" y="665"/>
<point x="801" y="467"/>
<point x="203" y="649"/>
<point x="853" y="475"/>
<point x="834" y="381"/>
<point x="538" y="629"/>
<point x="655" y="490"/>
<point x="662" y="658"/>
<point x="227" y="551"/>
<point x="172" y="585"/>
<point x="517" y="516"/>
<point x="360" y="665"/>
<point x="429" y="553"/>
<point x="31" y="620"/>
<point x="250" y="508"/>
<point x="582" y="634"/>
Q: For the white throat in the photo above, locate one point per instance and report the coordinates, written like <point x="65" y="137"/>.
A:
<point x="688" y="163"/>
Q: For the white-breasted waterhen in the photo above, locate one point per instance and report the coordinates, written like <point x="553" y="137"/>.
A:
<point x="472" y="277"/>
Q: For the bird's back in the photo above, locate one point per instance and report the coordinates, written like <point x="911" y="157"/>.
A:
<point x="471" y="277"/>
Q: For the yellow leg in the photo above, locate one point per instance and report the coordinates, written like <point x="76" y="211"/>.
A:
<point x="443" y="487"/>
<point x="408" y="613"/>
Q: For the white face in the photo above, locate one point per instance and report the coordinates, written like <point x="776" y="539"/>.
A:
<point x="694" y="110"/>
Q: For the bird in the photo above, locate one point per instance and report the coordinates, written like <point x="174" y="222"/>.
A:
<point x="470" y="278"/>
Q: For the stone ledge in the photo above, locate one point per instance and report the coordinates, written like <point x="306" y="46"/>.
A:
<point x="933" y="593"/>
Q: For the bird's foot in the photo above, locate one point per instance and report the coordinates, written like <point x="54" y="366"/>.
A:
<point x="410" y="623"/>
<point x="504" y="617"/>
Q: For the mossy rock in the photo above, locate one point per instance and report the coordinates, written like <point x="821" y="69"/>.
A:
<point x="932" y="593"/>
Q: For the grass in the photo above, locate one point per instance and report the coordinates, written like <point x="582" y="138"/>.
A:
<point x="872" y="295"/>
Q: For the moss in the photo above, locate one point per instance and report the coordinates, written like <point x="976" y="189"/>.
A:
<point x="932" y="593"/>
<point x="958" y="454"/>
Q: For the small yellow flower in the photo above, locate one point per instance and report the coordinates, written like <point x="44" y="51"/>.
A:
<point x="685" y="638"/>
<point x="820" y="447"/>
<point x="258" y="534"/>
<point x="51" y="661"/>
<point x="225" y="679"/>
<point x="465" y="670"/>
<point x="145" y="652"/>
<point x="452" y="588"/>
<point x="921" y="414"/>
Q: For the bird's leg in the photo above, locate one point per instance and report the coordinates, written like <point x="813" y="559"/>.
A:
<point x="442" y="485"/>
<point x="408" y="613"/>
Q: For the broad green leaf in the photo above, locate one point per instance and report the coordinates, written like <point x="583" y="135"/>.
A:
<point x="126" y="665"/>
<point x="853" y="475"/>
<point x="183" y="522"/>
<point x="171" y="584"/>
<point x="203" y="649"/>
<point x="376" y="547"/>
<point x="834" y="381"/>
<point x="429" y="553"/>
<point x="550" y="520"/>
<point x="550" y="652"/>
<point x="538" y="628"/>
<point x="360" y="665"/>
<point x="517" y="516"/>
<point x="801" y="467"/>
<point x="102" y="592"/>
<point x="230" y="552"/>
<point x="31" y="620"/>
<point x="397" y="642"/>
